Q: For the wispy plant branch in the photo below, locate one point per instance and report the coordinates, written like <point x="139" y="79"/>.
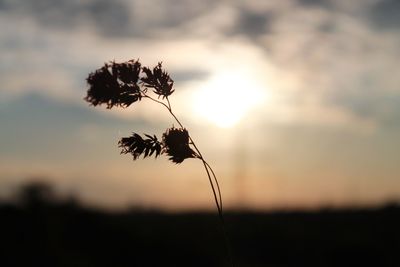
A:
<point x="121" y="85"/>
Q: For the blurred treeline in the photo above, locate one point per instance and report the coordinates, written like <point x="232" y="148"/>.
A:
<point x="42" y="230"/>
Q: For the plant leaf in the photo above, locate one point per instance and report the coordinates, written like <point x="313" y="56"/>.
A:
<point x="136" y="145"/>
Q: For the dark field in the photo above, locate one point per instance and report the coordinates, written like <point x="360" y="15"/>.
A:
<point x="42" y="231"/>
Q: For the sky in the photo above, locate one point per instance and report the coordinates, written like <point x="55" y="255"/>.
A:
<point x="295" y="103"/>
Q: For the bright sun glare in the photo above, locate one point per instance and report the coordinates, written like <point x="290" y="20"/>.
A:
<point x="227" y="97"/>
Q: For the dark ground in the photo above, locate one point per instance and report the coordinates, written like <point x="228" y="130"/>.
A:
<point x="42" y="231"/>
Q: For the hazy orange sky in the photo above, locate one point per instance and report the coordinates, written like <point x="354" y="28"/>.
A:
<point x="295" y="103"/>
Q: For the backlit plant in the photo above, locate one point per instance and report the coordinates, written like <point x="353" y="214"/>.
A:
<point x="121" y="85"/>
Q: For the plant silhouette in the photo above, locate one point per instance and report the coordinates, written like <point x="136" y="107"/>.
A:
<point x="121" y="85"/>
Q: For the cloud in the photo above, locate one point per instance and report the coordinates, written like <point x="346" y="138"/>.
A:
<point x="320" y="50"/>
<point x="252" y="24"/>
<point x="318" y="3"/>
<point x="39" y="128"/>
<point x="112" y="18"/>
<point x="181" y="76"/>
<point x="120" y="18"/>
<point x="384" y="15"/>
<point x="342" y="66"/>
<point x="329" y="70"/>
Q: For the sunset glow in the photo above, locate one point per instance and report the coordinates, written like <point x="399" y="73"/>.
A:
<point x="227" y="97"/>
<point x="294" y="103"/>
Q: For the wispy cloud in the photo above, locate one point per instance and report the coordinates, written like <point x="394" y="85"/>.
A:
<point x="329" y="69"/>
<point x="331" y="56"/>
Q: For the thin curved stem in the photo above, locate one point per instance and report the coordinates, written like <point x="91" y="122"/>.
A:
<point x="155" y="100"/>
<point x="207" y="167"/>
<point x="169" y="104"/>
<point x="213" y="188"/>
<point x="216" y="182"/>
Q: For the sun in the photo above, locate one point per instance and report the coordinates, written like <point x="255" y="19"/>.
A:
<point x="226" y="98"/>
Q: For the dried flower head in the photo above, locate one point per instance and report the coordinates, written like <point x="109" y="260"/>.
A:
<point x="159" y="80"/>
<point x="127" y="72"/>
<point x="114" y="84"/>
<point x="176" y="145"/>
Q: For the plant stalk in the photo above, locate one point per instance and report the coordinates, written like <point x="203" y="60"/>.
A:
<point x="208" y="169"/>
